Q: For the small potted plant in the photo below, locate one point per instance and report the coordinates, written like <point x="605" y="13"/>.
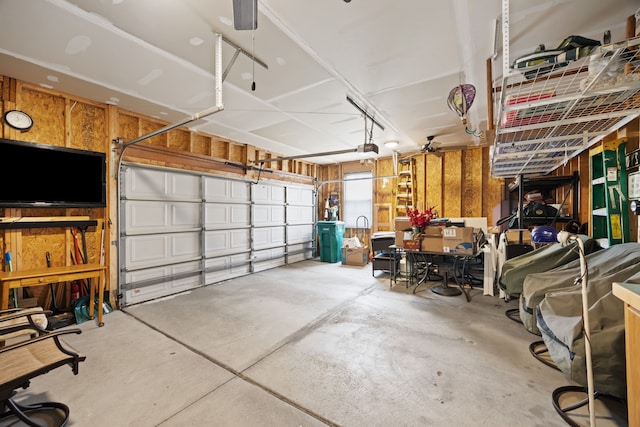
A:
<point x="419" y="219"/>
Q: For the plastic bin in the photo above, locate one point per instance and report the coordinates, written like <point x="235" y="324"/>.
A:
<point x="330" y="240"/>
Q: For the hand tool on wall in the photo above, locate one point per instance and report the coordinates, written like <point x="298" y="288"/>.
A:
<point x="9" y="262"/>
<point x="52" y="288"/>
<point x="85" y="255"/>
<point x="77" y="257"/>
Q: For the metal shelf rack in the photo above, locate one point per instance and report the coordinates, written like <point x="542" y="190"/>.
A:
<point x="557" y="112"/>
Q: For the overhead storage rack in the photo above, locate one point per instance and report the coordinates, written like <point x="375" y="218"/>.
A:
<point x="549" y="113"/>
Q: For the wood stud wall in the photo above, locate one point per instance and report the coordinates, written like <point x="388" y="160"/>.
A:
<point x="65" y="122"/>
<point x="433" y="183"/>
<point x="68" y="121"/>
<point x="457" y="184"/>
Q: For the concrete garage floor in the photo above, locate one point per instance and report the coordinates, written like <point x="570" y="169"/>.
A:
<point x="310" y="344"/>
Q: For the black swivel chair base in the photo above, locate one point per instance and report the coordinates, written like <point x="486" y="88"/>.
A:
<point x="46" y="414"/>
<point x="572" y="404"/>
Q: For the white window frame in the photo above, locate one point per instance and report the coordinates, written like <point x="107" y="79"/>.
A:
<point x="358" y="198"/>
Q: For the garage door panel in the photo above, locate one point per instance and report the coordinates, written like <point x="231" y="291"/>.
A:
<point x="225" y="242"/>
<point x="227" y="267"/>
<point x="300" y="196"/>
<point x="299" y="252"/>
<point x="151" y="250"/>
<point x="219" y="215"/>
<point x="185" y="245"/>
<point x="146" y="292"/>
<point x="146" y="250"/>
<point x="268" y="258"/>
<point x="151" y="184"/>
<point x="268" y="237"/>
<point x="268" y="215"/>
<point x="143" y="216"/>
<point x="154" y="216"/>
<point x="299" y="233"/>
<point x="182" y="229"/>
<point x="184" y="215"/>
<point x="239" y="191"/>
<point x="225" y="191"/>
<point x="162" y="286"/>
<point x="268" y="194"/>
<point x="299" y="215"/>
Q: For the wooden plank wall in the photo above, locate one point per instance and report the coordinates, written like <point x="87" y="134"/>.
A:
<point x="67" y="121"/>
<point x="457" y="185"/>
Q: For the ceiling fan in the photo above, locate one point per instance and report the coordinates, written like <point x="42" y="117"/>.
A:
<point x="433" y="147"/>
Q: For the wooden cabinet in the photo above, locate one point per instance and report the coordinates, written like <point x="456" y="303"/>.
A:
<point x="630" y="294"/>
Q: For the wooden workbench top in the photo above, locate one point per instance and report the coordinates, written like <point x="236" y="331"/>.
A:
<point x="629" y="293"/>
<point x="52" y="271"/>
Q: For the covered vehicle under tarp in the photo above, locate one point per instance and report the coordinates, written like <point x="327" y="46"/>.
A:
<point x="609" y="265"/>
<point x="541" y="259"/>
<point x="559" y="319"/>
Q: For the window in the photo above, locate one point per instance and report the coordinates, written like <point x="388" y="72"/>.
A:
<point x="358" y="191"/>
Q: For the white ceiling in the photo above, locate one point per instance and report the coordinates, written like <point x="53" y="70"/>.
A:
<point x="398" y="60"/>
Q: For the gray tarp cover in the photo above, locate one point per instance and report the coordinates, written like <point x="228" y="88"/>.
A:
<point x="559" y="319"/>
<point x="542" y="259"/>
<point x="614" y="264"/>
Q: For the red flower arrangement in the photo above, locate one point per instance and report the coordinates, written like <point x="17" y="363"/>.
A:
<point x="421" y="219"/>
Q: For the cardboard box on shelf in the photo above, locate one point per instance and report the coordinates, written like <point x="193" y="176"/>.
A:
<point x="459" y="240"/>
<point x="432" y="239"/>
<point x="355" y="256"/>
<point x="402" y="223"/>
<point x="513" y="236"/>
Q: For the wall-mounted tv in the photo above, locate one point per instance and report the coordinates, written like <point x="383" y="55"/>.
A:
<point x="39" y="175"/>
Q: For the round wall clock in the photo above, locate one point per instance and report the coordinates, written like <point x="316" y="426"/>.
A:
<point x="18" y="120"/>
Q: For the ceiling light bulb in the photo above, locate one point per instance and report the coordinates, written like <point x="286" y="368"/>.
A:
<point x="391" y="144"/>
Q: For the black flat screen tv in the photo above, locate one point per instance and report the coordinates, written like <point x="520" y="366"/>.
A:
<point x="39" y="175"/>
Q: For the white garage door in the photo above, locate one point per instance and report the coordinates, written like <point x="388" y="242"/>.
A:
<point x="181" y="230"/>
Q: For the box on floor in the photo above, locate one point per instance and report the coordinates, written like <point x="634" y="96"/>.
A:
<point x="355" y="256"/>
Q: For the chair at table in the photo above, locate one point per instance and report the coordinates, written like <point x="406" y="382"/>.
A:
<point x="383" y="256"/>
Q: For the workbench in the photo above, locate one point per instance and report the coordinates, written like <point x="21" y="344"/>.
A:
<point x="44" y="276"/>
<point x="629" y="293"/>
